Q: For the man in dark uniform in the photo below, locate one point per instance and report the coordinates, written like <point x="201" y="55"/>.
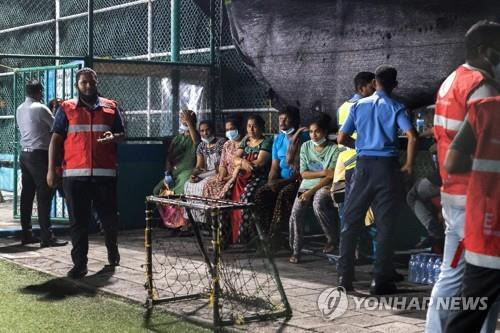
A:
<point x="376" y="180"/>
<point x="88" y="127"/>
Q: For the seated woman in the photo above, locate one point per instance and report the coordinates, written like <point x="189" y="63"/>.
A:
<point x="252" y="162"/>
<point x="218" y="186"/>
<point x="318" y="157"/>
<point x="181" y="159"/>
<point x="275" y="199"/>
<point x="208" y="155"/>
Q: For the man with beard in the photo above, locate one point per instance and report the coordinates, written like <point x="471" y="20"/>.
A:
<point x="88" y="127"/>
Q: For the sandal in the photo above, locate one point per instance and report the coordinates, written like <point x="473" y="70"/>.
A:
<point x="294" y="259"/>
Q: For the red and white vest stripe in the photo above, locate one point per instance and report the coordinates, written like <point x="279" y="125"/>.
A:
<point x="451" y="108"/>
<point x="482" y="212"/>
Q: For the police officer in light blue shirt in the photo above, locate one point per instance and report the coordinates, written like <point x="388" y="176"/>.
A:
<point x="377" y="177"/>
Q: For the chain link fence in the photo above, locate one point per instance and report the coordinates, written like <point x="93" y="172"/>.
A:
<point x="130" y="30"/>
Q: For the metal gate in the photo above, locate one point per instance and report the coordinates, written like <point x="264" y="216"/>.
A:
<point x="58" y="82"/>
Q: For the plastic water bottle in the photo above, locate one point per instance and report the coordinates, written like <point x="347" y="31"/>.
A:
<point x="411" y="269"/>
<point x="420" y="122"/>
<point x="421" y="269"/>
<point x="430" y="270"/>
<point x="437" y="268"/>
<point x="418" y="270"/>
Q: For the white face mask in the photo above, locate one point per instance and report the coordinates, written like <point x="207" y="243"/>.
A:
<point x="208" y="140"/>
<point x="183" y="128"/>
<point x="232" y="134"/>
<point x="288" y="131"/>
<point x="319" y="142"/>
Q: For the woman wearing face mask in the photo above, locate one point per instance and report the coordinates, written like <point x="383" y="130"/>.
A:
<point x="218" y="186"/>
<point x="208" y="155"/>
<point x="252" y="161"/>
<point x="318" y="157"/>
<point x="181" y="159"/>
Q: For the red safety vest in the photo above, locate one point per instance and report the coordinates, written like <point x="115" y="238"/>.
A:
<point x="482" y="212"/>
<point x="451" y="108"/>
<point x="83" y="155"/>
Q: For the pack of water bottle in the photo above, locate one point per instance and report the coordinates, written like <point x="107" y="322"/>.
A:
<point x="424" y="268"/>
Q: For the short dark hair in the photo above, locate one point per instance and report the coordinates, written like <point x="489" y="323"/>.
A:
<point x="209" y="123"/>
<point x="54" y="102"/>
<point x="259" y="121"/>
<point x="85" y="70"/>
<point x="362" y="79"/>
<point x="485" y="33"/>
<point x="292" y="113"/>
<point x="322" y="120"/>
<point x="386" y="75"/>
<point x="33" y="87"/>
<point x="237" y="121"/>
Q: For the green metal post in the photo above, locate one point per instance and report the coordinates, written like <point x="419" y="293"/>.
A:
<point x="212" y="61"/>
<point x="63" y="92"/>
<point x="174" y="57"/>
<point x="16" y="143"/>
<point x="90" y="34"/>
<point x="72" y="86"/>
<point x="174" y="30"/>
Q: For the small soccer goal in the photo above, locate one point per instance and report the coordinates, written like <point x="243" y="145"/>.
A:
<point x="201" y="277"/>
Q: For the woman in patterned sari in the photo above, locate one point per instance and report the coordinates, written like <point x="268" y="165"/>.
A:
<point x="219" y="185"/>
<point x="253" y="160"/>
<point x="208" y="154"/>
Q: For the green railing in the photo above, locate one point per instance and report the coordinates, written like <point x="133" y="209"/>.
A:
<point x="58" y="82"/>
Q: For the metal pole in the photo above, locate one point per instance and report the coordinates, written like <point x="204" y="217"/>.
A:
<point x="174" y="30"/>
<point x="215" y="219"/>
<point x="212" y="60"/>
<point x="57" y="41"/>
<point x="150" y="50"/>
<point x="16" y="142"/>
<point x="149" y="254"/>
<point x="174" y="57"/>
<point x="270" y="259"/>
<point x="90" y="34"/>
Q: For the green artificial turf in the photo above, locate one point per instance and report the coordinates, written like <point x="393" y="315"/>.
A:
<point x="34" y="302"/>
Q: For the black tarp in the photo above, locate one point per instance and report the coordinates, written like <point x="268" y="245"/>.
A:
<point x="309" y="51"/>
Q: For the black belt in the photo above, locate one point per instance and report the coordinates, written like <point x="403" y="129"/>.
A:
<point x="30" y="150"/>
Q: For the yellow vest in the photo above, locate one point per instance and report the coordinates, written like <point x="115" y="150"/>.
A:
<point x="342" y="113"/>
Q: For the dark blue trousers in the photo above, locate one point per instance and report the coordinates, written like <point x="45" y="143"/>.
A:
<point x="365" y="239"/>
<point x="377" y="183"/>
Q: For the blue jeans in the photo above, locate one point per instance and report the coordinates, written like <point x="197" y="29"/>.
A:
<point x="450" y="279"/>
